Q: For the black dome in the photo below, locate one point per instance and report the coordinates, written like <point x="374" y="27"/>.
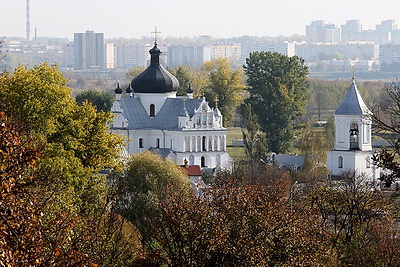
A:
<point x="155" y="79"/>
<point x="118" y="90"/>
<point x="129" y="89"/>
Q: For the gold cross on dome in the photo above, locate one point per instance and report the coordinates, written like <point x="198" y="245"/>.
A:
<point x="155" y="35"/>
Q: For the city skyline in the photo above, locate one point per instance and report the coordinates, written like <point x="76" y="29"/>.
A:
<point x="179" y="18"/>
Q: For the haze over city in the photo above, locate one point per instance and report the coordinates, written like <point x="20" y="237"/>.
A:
<point x="179" y="18"/>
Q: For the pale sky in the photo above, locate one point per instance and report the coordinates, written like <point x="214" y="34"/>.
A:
<point x="187" y="18"/>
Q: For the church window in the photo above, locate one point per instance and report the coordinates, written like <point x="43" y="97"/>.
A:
<point x="354" y="137"/>
<point x="193" y="144"/>
<point x="140" y="142"/>
<point x="340" y="162"/>
<point x="152" y="110"/>
<point x="187" y="143"/>
<point x="368" y="162"/>
<point x="158" y="143"/>
<point x="191" y="160"/>
<point x="203" y="161"/>
<point x="204" y="144"/>
<point x="199" y="143"/>
<point x="210" y="148"/>
<point x="216" y="143"/>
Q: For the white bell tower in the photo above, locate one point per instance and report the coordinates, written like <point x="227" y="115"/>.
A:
<point x="353" y="150"/>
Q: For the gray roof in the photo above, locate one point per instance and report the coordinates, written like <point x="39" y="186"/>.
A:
<point x="166" y="118"/>
<point x="352" y="103"/>
<point x="289" y="160"/>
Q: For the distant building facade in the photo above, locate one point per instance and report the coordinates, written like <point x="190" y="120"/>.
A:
<point x="319" y="32"/>
<point x="284" y="48"/>
<point x="190" y="55"/>
<point x="89" y="51"/>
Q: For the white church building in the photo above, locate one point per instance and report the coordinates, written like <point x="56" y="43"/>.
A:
<point x="183" y="129"/>
<point x="353" y="143"/>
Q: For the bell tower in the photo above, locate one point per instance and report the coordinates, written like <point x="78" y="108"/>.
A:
<point x="353" y="143"/>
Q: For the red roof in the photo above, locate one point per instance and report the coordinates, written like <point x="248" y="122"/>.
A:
<point x="191" y="170"/>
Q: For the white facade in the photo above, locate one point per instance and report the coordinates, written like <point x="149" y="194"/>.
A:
<point x="183" y="129"/>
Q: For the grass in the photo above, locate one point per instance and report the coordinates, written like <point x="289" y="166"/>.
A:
<point x="237" y="153"/>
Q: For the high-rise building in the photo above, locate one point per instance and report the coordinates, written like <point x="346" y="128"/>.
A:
<point x="89" y="51"/>
<point x="351" y="31"/>
<point x="319" y="32"/>
<point x="284" y="48"/>
<point x="111" y="55"/>
<point x="132" y="55"/>
<point x="191" y="55"/>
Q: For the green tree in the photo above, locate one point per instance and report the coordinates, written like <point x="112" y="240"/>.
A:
<point x="133" y="72"/>
<point x="146" y="184"/>
<point x="103" y="101"/>
<point x="184" y="75"/>
<point x="278" y="94"/>
<point x="254" y="139"/>
<point x="225" y="87"/>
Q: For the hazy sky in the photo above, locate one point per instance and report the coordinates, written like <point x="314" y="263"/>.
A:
<point x="180" y="18"/>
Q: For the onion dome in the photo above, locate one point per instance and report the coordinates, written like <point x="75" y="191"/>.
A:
<point x="189" y="90"/>
<point x="155" y="79"/>
<point x="118" y="90"/>
<point x="129" y="89"/>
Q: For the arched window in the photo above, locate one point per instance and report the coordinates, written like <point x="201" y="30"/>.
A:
<point x="204" y="144"/>
<point x="191" y="160"/>
<point x="368" y="162"/>
<point x="158" y="143"/>
<point x="203" y="161"/>
<point x="193" y="144"/>
<point x="140" y="142"/>
<point x="354" y="137"/>
<point x="340" y="162"/>
<point x="210" y="148"/>
<point x="152" y="110"/>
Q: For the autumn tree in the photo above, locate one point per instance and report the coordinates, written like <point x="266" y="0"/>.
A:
<point x="278" y="94"/>
<point x="237" y="223"/>
<point x="224" y="88"/>
<point x="103" y="101"/>
<point x="386" y="119"/>
<point x="144" y="187"/>
<point x="351" y="212"/>
<point x="35" y="229"/>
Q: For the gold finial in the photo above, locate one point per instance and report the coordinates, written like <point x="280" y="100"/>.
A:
<point x="155" y="35"/>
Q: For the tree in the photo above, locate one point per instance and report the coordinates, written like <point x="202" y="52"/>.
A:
<point x="278" y="94"/>
<point x="224" y="88"/>
<point x="103" y="101"/>
<point x="236" y="223"/>
<point x="253" y="138"/>
<point x="145" y="185"/>
<point x="386" y="119"/>
<point x="351" y="213"/>
<point x="35" y="229"/>
<point x="184" y="75"/>
<point x="133" y="73"/>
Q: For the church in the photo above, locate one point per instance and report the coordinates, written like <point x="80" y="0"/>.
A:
<point x="353" y="143"/>
<point x="153" y="117"/>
